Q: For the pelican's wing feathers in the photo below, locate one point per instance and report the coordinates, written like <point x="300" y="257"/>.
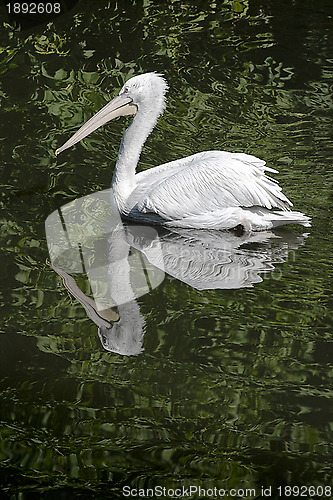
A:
<point x="206" y="182"/>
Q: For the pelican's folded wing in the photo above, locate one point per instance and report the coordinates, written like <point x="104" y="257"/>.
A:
<point x="210" y="181"/>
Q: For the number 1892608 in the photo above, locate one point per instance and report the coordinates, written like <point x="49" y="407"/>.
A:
<point x="305" y="491"/>
<point x="33" y="8"/>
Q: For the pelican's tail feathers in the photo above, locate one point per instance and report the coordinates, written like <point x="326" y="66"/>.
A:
<point x="260" y="219"/>
<point x="289" y="217"/>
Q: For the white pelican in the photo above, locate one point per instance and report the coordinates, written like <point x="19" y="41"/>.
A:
<point x="208" y="190"/>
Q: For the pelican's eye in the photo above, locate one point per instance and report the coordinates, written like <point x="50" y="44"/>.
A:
<point x="126" y="90"/>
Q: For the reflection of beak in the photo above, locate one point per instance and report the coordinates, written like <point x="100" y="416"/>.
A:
<point x="119" y="106"/>
<point x="103" y="318"/>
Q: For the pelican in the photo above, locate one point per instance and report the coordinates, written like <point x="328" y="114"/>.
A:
<point x="208" y="190"/>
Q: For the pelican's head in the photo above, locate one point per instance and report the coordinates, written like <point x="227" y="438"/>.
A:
<point x="141" y="93"/>
<point x="146" y="89"/>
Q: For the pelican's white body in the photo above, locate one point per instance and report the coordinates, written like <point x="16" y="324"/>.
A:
<point x="209" y="190"/>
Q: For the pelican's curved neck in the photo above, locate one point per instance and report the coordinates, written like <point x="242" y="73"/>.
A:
<point x="123" y="182"/>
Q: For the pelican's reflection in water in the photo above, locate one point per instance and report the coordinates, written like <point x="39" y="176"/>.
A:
<point x="123" y="262"/>
<point x="120" y="331"/>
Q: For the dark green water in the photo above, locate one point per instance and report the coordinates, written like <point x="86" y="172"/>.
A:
<point x="234" y="387"/>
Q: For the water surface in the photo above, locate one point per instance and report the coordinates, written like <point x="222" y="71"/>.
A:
<point x="233" y="386"/>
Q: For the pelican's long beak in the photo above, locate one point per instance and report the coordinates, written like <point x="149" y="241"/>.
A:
<point x="119" y="106"/>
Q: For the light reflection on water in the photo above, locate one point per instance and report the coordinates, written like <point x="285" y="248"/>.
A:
<point x="233" y="386"/>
